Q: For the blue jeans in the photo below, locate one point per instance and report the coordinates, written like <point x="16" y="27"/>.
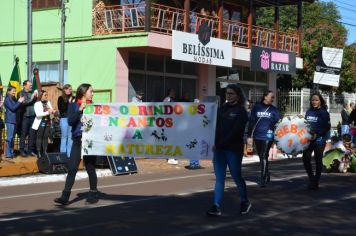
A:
<point x="66" y="136"/>
<point x="345" y="129"/>
<point x="222" y="159"/>
<point x="10" y="135"/>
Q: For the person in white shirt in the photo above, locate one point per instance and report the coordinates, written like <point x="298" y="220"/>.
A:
<point x="42" y="122"/>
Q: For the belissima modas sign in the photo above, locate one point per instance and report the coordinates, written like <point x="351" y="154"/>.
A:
<point x="270" y="60"/>
<point x="201" y="49"/>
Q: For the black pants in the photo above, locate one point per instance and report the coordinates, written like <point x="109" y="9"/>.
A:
<point x="74" y="161"/>
<point x="318" y="156"/>
<point x="262" y="148"/>
<point x="26" y="130"/>
<point x="42" y="137"/>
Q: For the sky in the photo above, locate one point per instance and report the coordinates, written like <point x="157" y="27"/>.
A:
<point x="347" y="9"/>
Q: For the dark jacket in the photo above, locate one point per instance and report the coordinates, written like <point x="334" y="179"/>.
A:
<point x="352" y="118"/>
<point x="319" y="120"/>
<point x="11" y="106"/>
<point x="74" y="119"/>
<point x="230" y="126"/>
<point x="345" y="117"/>
<point x="262" y="118"/>
<point x="62" y="107"/>
<point x="27" y="108"/>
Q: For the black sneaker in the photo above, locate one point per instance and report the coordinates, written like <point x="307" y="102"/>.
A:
<point x="214" y="211"/>
<point x="245" y="207"/>
<point x="313" y="185"/>
<point x="93" y="197"/>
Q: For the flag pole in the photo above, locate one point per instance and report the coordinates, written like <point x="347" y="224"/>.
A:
<point x="29" y="39"/>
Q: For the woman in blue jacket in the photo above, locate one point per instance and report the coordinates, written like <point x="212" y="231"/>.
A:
<point x="84" y="96"/>
<point x="263" y="119"/>
<point x="319" y="120"/>
<point x="11" y="105"/>
<point x="229" y="145"/>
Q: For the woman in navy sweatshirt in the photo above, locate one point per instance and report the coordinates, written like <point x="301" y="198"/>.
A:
<point x="228" y="151"/>
<point x="263" y="119"/>
<point x="84" y="96"/>
<point x="319" y="120"/>
<point x="11" y="105"/>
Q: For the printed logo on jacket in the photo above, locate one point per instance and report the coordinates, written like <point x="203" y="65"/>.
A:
<point x="270" y="60"/>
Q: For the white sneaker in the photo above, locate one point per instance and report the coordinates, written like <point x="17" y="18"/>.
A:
<point x="172" y="161"/>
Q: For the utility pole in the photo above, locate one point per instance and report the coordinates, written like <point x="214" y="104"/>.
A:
<point x="29" y="39"/>
<point x="63" y="25"/>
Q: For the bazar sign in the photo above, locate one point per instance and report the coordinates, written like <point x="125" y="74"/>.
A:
<point x="201" y="49"/>
<point x="270" y="60"/>
<point x="154" y="130"/>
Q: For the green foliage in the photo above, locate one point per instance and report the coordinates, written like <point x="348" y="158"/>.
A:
<point x="321" y="28"/>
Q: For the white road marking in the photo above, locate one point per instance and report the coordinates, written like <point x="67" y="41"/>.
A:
<point x="71" y="211"/>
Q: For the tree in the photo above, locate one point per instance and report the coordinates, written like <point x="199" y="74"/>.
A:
<point x="321" y="28"/>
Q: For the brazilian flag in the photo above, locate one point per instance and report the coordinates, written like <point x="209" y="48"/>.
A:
<point x="15" y="79"/>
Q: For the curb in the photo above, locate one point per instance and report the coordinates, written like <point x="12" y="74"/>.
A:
<point x="42" y="178"/>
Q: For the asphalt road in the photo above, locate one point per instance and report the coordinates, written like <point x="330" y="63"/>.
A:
<point x="175" y="202"/>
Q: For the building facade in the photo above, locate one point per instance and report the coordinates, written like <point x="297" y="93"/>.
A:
<point x="121" y="47"/>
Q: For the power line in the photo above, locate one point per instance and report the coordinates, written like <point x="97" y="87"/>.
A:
<point x="345" y="3"/>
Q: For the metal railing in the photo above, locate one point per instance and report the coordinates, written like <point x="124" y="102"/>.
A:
<point x="164" y="19"/>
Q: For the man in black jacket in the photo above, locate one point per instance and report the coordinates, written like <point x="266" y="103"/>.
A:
<point x="27" y="117"/>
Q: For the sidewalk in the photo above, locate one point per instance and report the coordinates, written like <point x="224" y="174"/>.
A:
<point x="145" y="166"/>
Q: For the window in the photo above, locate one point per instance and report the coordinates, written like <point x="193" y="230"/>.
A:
<point x="45" y="4"/>
<point x="155" y="91"/>
<point x="248" y="75"/>
<point x="137" y="82"/>
<point x="155" y="62"/>
<point x="49" y="71"/>
<point x="155" y="74"/>
<point x="189" y="68"/>
<point x="261" y="77"/>
<point x="173" y="66"/>
<point x="137" y="61"/>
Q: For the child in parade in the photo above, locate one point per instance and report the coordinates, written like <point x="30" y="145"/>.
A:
<point x="84" y="96"/>
<point x="319" y="119"/>
<point x="229" y="146"/>
<point x="263" y="119"/>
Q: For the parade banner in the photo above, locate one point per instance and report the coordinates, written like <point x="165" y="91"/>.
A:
<point x="293" y="134"/>
<point x="154" y="130"/>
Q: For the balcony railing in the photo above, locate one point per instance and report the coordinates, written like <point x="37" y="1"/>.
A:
<point x="164" y="19"/>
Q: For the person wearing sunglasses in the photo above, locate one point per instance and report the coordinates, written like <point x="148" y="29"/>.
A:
<point x="228" y="149"/>
<point x="263" y="119"/>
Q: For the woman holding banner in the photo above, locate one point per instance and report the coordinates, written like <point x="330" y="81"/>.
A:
<point x="84" y="96"/>
<point x="263" y="119"/>
<point x="319" y="119"/>
<point x="229" y="146"/>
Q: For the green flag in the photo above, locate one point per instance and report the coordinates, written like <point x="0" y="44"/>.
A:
<point x="15" y="79"/>
<point x="36" y="84"/>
